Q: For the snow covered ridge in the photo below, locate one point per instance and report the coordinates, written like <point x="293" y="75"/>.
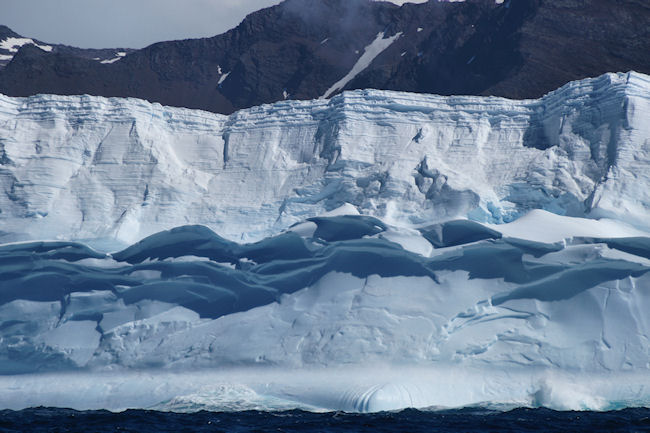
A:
<point x="120" y="169"/>
<point x="9" y="47"/>
<point x="10" y="44"/>
<point x="13" y="44"/>
<point x="339" y="312"/>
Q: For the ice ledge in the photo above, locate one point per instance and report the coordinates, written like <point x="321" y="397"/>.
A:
<point x="78" y="167"/>
<point x="630" y="83"/>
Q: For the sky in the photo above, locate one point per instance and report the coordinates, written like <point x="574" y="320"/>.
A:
<point x="126" y="23"/>
<point x="123" y="23"/>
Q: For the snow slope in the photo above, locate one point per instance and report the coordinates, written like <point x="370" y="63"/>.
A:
<point x="339" y="312"/>
<point x="12" y="44"/>
<point x="370" y="53"/>
<point x="74" y="168"/>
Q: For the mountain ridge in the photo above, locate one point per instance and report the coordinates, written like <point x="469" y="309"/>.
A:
<point x="297" y="50"/>
<point x="11" y="43"/>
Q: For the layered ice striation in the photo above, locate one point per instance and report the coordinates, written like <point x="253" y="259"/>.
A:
<point x="338" y="312"/>
<point x="376" y="251"/>
<point x="74" y="168"/>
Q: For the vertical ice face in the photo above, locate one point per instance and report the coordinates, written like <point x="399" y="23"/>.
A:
<point x="481" y="312"/>
<point x="88" y="167"/>
<point x="626" y="147"/>
<point x="470" y="315"/>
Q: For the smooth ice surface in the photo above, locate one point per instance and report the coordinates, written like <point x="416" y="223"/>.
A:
<point x="116" y="170"/>
<point x="340" y="312"/>
<point x="542" y="226"/>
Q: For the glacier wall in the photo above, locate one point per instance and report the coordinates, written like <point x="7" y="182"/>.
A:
<point x="339" y="313"/>
<point x="119" y="169"/>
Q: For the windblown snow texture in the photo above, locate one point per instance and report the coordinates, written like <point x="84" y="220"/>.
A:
<point x="74" y="168"/>
<point x="342" y="291"/>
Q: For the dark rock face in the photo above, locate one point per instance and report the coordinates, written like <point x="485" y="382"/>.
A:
<point x="12" y="41"/>
<point x="300" y="48"/>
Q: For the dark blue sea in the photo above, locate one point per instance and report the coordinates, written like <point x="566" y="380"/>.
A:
<point x="465" y="420"/>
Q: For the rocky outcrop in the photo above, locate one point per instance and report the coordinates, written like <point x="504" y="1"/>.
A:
<point x="300" y="49"/>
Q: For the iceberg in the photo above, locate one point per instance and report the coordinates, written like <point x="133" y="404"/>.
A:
<point x="113" y="171"/>
<point x="353" y="314"/>
<point x="376" y="251"/>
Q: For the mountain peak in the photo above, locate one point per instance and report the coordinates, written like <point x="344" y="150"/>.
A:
<point x="305" y="49"/>
<point x="7" y="32"/>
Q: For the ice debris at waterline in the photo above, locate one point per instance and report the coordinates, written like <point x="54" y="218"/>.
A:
<point x="82" y="167"/>
<point x="340" y="312"/>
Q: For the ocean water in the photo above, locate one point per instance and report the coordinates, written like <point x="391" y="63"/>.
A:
<point x="464" y="420"/>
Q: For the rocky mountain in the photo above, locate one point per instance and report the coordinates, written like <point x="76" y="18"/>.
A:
<point x="306" y="49"/>
<point x="11" y="42"/>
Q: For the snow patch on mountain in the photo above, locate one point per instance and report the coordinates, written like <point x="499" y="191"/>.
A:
<point x="223" y="78"/>
<point x="370" y="53"/>
<point x="118" y="56"/>
<point x="13" y="44"/>
<point x="10" y="46"/>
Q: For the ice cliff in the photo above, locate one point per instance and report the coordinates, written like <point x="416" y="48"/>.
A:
<point x="120" y="169"/>
<point x="343" y="312"/>
<point x="379" y="250"/>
